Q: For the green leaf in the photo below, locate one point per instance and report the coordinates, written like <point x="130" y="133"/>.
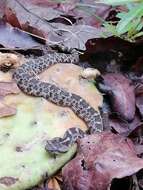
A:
<point x="126" y="20"/>
<point x="138" y="35"/>
<point x="121" y="15"/>
<point x="110" y="28"/>
<point x="117" y="2"/>
<point x="140" y="26"/>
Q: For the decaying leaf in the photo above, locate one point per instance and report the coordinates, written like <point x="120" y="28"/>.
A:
<point x="121" y="93"/>
<point x="101" y="158"/>
<point x="38" y="15"/>
<point x="123" y="127"/>
<point x="75" y="36"/>
<point x="120" y="126"/>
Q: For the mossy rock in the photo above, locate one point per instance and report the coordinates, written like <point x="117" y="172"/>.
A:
<point x="24" y="161"/>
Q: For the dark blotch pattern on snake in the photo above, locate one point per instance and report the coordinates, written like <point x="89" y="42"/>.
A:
<point x="26" y="79"/>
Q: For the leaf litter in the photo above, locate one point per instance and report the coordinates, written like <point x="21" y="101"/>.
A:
<point x="102" y="157"/>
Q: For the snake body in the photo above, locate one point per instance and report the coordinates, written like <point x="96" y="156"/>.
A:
<point x="25" y="77"/>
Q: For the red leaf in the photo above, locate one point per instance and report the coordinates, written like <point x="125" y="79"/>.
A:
<point x="37" y="32"/>
<point x="72" y="36"/>
<point x="101" y="158"/>
<point x="122" y="95"/>
<point x="11" y="18"/>
<point x="123" y="127"/>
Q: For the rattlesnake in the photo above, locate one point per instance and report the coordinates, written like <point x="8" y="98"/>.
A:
<point x="25" y="77"/>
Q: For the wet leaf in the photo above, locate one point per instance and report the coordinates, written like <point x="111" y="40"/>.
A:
<point x="101" y="158"/>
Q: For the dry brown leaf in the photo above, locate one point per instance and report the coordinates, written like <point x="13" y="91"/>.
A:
<point x="53" y="184"/>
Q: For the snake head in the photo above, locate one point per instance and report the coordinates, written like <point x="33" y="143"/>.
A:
<point x="55" y="147"/>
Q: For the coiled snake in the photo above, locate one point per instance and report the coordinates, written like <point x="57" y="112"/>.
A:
<point x="25" y="77"/>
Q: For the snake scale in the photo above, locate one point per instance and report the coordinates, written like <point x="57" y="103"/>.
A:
<point x="25" y="77"/>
